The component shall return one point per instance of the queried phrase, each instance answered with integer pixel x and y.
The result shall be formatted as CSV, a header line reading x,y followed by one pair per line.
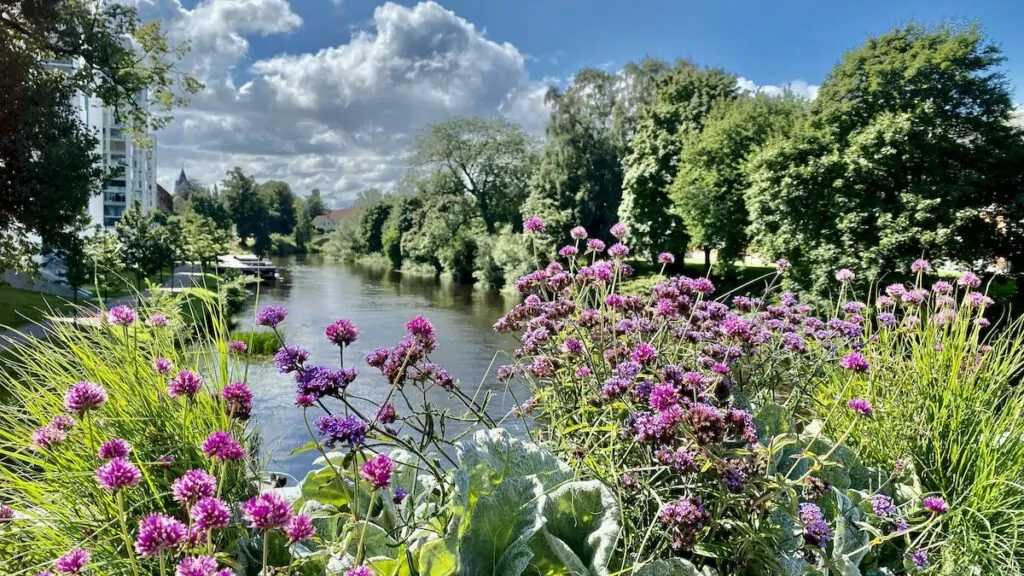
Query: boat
x,y
247,264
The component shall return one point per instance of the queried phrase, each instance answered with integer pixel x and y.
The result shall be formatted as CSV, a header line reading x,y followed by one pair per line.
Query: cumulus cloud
x,y
797,87
339,119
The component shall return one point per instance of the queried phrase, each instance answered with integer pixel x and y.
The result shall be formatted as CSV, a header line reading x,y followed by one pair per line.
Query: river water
x,y
317,292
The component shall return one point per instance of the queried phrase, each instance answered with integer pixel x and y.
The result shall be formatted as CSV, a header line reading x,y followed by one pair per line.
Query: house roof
x,y
336,215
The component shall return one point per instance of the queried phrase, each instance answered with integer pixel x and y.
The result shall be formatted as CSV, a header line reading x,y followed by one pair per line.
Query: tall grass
x,y
953,408
58,502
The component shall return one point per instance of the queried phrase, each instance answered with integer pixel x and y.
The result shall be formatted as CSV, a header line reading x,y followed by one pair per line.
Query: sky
x,y
328,94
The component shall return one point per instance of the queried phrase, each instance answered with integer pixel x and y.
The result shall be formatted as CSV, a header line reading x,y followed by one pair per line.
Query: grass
x,y
259,342
19,307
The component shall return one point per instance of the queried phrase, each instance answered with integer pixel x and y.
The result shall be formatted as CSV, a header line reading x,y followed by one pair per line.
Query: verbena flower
x,y
157,321
920,559
162,365
400,495
193,486
196,566
935,504
237,400
666,258
341,332
644,353
165,461
920,265
883,506
159,534
578,233
942,287
238,346
533,224
341,429
122,315
187,383
377,471
210,514
271,316
619,230
421,328
684,518
223,446
816,530
84,396
290,358
267,511
73,562
48,436
63,422
300,528
386,413
845,275
118,474
663,396
855,362
361,571
861,406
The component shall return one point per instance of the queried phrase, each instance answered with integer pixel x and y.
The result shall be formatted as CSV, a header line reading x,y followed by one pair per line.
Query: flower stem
x,y
362,533
124,532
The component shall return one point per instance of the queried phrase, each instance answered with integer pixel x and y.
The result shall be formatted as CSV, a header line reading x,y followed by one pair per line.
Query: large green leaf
x,y
674,567
584,517
850,543
438,558
772,420
495,538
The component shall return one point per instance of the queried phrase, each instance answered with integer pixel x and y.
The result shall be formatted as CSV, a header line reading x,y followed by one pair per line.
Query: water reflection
x,y
317,292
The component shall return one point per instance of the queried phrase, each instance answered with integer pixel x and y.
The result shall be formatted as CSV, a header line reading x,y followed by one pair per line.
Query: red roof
x,y
336,215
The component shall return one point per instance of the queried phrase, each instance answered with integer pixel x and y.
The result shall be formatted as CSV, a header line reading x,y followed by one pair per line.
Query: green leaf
x,y
674,567
323,486
553,557
311,445
376,542
495,538
772,420
584,516
438,558
850,543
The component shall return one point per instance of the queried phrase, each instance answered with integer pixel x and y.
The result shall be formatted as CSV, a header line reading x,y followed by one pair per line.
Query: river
x,y
317,292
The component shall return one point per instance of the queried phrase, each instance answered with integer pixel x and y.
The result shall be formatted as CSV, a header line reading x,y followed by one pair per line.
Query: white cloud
x,y
797,87
339,119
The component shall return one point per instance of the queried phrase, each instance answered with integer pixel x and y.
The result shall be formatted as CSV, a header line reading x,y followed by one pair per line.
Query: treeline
x,y
907,152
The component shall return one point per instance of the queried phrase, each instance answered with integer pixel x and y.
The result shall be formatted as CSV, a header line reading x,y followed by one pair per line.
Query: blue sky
x,y
328,94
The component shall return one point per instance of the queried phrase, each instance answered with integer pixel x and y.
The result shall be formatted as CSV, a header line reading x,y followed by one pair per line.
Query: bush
x,y
392,245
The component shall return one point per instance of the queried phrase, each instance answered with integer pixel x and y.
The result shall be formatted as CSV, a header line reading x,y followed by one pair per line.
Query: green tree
x,y
684,97
909,146
280,200
202,201
708,189
490,157
105,256
371,226
137,234
303,224
202,240
314,204
249,212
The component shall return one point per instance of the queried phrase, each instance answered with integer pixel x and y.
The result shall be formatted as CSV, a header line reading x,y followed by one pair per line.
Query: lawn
x,y
20,307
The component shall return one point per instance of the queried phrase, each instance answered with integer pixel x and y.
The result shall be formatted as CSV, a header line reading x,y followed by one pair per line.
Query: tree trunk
x,y
707,259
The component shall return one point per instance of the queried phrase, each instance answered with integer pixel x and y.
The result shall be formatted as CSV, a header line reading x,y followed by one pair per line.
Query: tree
x,y
683,99
202,201
314,205
71,251
137,234
371,226
708,189
303,224
909,147
182,196
489,156
280,200
104,254
202,240
248,211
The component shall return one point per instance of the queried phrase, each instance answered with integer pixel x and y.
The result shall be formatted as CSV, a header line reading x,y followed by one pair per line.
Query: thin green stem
x,y
124,532
362,533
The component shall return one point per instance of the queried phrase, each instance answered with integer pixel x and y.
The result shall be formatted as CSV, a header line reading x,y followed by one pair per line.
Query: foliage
x,y
248,210
280,200
303,224
684,98
909,145
371,226
205,203
257,342
104,253
148,245
202,239
709,186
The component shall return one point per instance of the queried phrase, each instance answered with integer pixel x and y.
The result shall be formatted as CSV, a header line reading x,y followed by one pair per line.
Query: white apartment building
x,y
137,180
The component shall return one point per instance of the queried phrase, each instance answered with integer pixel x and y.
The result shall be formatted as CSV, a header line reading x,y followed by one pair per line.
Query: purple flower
x,y
595,245
618,250
73,562
238,346
63,422
187,383
935,504
84,396
268,511
421,328
533,224
887,318
210,514
337,429
920,265
300,528
568,251
663,396
6,513
271,316
377,357
781,265
666,258
882,506
341,332
377,471
969,280
290,358
162,365
157,321
861,406
361,571
48,437
165,461
816,531
400,494
196,566
702,286
684,518
122,316
159,534
578,233
619,230
117,474
942,287
845,275
644,353
193,486
237,400
855,362
222,446
386,413
305,400
920,559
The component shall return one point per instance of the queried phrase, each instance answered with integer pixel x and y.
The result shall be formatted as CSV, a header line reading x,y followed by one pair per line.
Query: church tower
x,y
181,187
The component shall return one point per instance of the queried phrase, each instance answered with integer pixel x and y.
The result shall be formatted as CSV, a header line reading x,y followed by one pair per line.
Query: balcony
x,y
114,198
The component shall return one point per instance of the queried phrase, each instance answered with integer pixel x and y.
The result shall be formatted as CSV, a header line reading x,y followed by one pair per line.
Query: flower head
x,y
196,566
969,280
63,422
400,495
210,514
73,562
578,233
193,486
84,396
237,400
861,406
347,429
222,446
117,474
341,332
595,245
618,250
533,224
48,436
361,571
920,559
6,513
377,470
568,251
920,265
619,230
290,358
157,321
267,511
238,346
935,504
816,530
855,362
386,413
162,365
122,316
666,258
159,534
421,328
882,506
781,265
271,316
187,383
845,275
644,353
300,528
165,461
